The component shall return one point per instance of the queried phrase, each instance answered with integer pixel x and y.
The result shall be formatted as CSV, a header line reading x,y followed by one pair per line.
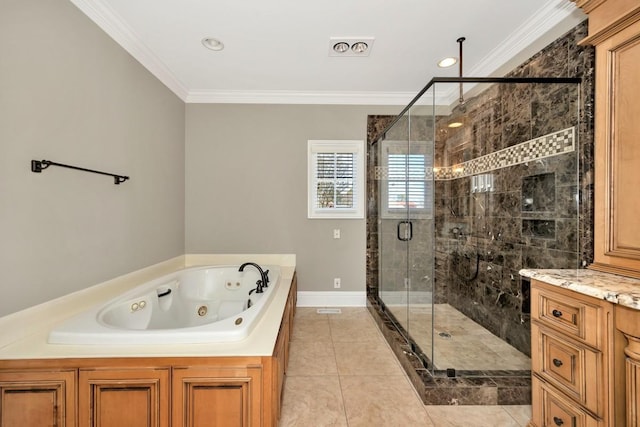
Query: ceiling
x,y
278,51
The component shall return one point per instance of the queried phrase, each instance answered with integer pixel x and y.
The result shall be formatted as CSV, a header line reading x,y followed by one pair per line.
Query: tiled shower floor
x,y
342,372
460,343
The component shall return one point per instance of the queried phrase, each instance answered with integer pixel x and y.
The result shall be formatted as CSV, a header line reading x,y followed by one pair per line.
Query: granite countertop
x,y
610,287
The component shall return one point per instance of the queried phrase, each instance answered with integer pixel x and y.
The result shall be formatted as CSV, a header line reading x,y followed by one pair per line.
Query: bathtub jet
x,y
195,305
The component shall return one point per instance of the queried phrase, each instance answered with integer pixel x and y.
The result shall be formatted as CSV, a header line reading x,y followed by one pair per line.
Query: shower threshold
x,y
454,382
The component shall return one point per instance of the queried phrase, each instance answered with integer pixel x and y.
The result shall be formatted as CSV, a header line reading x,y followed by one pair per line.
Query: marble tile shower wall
x,y
499,232
531,218
484,239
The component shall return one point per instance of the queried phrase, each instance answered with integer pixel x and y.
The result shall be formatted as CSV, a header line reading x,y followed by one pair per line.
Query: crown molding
x,y
549,18
552,17
121,33
304,97
588,5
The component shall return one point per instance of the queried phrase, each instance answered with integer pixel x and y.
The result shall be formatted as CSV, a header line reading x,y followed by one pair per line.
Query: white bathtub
x,y
209,304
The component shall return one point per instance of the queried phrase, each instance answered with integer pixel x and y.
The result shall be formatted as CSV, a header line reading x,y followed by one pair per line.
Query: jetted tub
x,y
195,305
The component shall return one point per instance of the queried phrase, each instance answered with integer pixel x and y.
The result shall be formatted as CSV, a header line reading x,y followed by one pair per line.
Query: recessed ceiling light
x,y
213,44
350,46
341,47
447,62
359,47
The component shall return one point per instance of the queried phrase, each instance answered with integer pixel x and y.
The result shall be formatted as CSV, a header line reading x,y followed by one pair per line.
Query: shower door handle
x,y
405,231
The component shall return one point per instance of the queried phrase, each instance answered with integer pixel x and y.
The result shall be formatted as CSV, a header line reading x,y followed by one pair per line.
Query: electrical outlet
x,y
336,233
336,283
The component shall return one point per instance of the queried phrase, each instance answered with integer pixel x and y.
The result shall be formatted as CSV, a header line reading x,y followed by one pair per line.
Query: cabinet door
x,y
217,397
37,399
617,153
551,409
124,397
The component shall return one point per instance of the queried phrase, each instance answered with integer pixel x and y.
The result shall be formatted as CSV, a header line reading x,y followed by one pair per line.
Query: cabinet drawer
x,y
575,315
572,367
552,409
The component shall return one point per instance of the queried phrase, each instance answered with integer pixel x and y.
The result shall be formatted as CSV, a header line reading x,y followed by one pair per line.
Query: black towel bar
x,y
39,165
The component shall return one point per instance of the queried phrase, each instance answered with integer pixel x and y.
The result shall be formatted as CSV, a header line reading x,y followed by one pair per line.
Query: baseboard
x,y
332,299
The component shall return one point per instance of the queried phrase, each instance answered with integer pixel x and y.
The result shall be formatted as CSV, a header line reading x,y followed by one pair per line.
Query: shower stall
x,y
474,180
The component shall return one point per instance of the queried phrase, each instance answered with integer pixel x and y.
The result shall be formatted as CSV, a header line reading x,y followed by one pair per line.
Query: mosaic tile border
x,y
553,144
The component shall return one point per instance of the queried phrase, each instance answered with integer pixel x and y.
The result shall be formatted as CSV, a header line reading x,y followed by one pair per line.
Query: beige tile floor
x,y
343,373
469,345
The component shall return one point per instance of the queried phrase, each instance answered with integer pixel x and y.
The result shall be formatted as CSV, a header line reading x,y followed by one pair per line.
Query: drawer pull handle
x,y
558,421
557,362
556,313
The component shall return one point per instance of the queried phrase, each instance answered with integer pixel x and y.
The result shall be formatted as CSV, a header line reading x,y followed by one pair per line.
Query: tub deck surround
x,y
616,289
19,325
24,334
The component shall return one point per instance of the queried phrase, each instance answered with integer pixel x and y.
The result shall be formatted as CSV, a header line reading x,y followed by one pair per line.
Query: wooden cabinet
x,y
614,30
628,325
123,397
221,396
572,358
281,352
149,391
38,398
552,408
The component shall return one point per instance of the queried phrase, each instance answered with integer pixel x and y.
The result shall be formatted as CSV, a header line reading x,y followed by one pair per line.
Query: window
x,y
407,185
336,179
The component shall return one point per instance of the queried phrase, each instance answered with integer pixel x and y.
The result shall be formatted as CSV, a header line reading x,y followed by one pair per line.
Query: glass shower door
x,y
394,227
406,227
420,250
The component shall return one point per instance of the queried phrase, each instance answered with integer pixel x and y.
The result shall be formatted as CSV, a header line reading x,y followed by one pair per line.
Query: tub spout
x,y
264,279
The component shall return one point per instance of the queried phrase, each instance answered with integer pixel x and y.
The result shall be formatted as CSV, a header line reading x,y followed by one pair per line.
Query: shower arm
x,y
460,41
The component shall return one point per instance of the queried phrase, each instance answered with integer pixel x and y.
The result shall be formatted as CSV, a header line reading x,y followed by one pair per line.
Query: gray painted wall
x,y
68,93
246,187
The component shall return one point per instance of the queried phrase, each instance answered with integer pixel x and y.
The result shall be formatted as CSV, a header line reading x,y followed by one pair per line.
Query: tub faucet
x,y
264,279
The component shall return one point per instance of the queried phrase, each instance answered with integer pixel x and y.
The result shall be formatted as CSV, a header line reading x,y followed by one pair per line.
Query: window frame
x,y
355,147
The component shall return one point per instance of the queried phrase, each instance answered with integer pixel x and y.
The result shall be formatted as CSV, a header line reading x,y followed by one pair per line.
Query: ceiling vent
x,y
350,46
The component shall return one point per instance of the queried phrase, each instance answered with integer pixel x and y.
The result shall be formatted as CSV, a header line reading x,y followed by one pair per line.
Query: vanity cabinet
x,y
36,398
123,397
628,325
614,30
572,356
